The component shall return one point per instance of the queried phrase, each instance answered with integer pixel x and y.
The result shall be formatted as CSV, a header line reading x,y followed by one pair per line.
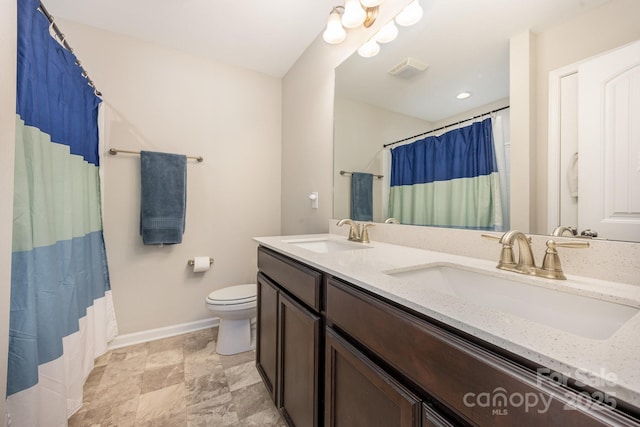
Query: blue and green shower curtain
x,y
449,180
61,308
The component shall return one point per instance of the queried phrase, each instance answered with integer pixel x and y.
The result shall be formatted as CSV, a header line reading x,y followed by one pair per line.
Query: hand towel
x,y
361,196
163,197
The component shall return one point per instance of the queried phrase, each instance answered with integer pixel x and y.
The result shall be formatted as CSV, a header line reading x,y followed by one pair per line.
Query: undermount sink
x,y
324,245
580,315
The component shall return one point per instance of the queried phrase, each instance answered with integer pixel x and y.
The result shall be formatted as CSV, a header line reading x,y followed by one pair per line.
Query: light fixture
x,y
371,3
354,15
334,33
463,95
369,49
410,14
387,33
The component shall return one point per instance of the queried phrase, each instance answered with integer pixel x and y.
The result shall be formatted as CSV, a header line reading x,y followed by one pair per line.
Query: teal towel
x,y
163,198
361,196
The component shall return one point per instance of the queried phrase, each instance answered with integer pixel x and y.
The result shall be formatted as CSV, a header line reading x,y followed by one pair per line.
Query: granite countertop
x,y
609,365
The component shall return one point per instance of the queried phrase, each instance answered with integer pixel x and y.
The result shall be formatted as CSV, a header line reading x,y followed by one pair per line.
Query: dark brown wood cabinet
x,y
289,331
360,394
267,333
331,353
298,390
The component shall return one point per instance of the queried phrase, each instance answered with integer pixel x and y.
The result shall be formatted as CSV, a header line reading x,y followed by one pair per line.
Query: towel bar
x,y
114,151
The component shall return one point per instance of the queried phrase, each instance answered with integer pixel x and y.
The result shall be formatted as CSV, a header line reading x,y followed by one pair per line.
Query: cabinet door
x,y
267,333
298,385
431,418
358,393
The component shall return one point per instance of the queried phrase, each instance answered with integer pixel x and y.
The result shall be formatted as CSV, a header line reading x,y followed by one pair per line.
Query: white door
x,y
609,144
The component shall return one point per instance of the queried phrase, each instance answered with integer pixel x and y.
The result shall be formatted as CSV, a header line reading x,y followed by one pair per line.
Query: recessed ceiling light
x,y
463,95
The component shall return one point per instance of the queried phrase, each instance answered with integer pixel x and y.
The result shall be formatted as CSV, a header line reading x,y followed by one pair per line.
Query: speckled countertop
x,y
611,365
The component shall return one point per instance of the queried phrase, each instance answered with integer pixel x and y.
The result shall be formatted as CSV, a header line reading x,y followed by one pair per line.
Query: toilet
x,y
236,308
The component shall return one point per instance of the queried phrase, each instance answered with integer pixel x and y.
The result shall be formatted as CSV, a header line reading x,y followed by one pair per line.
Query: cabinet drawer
x,y
299,280
479,386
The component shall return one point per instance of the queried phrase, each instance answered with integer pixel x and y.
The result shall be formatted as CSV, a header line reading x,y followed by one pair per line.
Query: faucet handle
x,y
364,233
551,267
507,259
354,231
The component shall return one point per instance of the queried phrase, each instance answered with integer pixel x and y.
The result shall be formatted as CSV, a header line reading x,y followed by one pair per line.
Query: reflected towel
x,y
163,197
361,196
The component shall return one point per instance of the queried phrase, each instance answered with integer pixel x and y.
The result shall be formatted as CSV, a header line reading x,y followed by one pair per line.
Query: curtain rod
x,y
114,151
444,127
66,45
351,173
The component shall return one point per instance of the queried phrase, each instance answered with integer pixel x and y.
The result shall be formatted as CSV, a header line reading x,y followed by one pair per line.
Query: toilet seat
x,y
233,295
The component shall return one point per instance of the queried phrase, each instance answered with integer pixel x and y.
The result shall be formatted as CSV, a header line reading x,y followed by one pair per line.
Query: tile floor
x,y
174,382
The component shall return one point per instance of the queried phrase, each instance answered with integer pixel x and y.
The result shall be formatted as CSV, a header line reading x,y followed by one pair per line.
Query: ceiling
x,y
264,36
461,38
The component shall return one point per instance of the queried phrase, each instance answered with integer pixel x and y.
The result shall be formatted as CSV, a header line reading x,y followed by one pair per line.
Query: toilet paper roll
x,y
200,264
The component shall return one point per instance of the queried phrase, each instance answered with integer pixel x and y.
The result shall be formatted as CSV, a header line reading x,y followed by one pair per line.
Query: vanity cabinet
x,y
470,384
359,393
289,336
333,354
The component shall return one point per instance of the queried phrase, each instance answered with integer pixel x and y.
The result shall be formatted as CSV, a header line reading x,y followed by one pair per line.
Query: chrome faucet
x,y
357,232
526,263
551,268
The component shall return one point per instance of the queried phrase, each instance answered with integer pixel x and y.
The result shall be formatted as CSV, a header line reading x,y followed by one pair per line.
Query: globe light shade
x,y
354,15
410,14
334,33
387,33
371,3
369,49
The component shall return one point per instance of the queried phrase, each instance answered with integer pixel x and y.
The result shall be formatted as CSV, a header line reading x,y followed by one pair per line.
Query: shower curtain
x,y
449,180
61,314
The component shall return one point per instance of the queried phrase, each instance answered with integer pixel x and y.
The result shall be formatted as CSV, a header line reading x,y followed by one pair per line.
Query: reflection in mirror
x,y
373,108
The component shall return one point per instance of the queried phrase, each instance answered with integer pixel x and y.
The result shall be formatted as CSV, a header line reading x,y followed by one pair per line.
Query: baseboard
x,y
159,333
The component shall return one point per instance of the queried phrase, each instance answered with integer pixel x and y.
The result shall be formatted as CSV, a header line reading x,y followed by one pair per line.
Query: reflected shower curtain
x,y
449,180
61,307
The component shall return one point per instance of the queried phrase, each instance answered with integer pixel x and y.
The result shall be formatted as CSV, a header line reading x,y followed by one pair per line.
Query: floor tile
x,y
176,382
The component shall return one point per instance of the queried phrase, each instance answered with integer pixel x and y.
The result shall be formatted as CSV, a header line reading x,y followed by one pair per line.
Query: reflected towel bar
x,y
114,151
349,173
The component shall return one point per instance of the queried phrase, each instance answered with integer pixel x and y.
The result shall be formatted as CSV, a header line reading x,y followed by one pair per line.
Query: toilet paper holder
x,y
192,262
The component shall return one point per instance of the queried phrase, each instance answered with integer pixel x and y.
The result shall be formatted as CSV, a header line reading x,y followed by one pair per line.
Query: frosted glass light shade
x,y
371,3
354,15
387,33
410,14
334,33
369,49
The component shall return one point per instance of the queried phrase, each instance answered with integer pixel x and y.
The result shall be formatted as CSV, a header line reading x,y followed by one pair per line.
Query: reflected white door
x,y
609,144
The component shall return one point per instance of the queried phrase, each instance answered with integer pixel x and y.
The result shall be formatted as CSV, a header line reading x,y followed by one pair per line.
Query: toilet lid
x,y
237,294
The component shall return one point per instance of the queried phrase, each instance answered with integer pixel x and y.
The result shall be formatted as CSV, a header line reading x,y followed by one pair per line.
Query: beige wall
x,y
596,31
307,128
8,30
163,100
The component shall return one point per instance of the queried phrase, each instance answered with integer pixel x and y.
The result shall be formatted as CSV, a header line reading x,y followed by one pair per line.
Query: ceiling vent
x,y
408,68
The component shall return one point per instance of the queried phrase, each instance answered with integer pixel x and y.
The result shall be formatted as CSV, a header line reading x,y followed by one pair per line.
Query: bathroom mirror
x,y
465,47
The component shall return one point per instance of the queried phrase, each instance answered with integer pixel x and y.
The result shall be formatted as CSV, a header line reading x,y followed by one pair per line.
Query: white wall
x,y
360,132
604,28
163,100
307,127
8,29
